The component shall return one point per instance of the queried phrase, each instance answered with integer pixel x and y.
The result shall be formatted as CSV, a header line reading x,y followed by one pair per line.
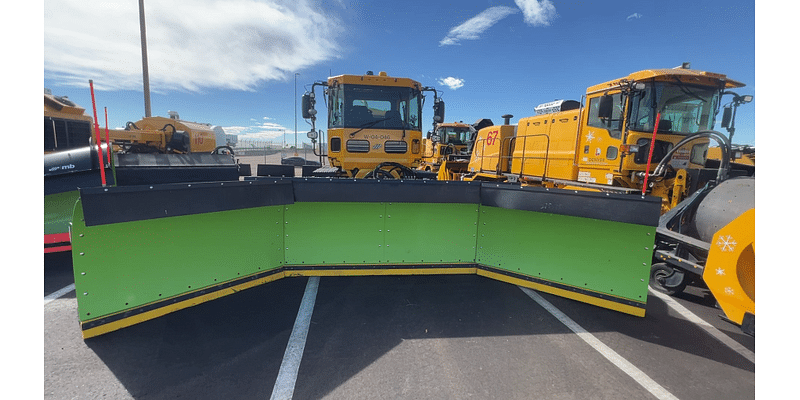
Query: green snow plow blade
x,y
140,252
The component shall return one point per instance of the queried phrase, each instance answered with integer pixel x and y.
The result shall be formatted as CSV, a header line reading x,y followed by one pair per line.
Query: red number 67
x,y
492,137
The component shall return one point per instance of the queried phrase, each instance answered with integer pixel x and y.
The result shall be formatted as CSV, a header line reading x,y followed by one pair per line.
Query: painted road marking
x,y
640,377
714,332
287,375
52,296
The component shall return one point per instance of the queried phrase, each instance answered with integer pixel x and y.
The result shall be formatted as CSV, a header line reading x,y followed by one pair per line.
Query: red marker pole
x,y
650,156
97,137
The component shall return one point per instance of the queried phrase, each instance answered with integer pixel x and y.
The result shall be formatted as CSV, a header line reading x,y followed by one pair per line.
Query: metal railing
x,y
508,159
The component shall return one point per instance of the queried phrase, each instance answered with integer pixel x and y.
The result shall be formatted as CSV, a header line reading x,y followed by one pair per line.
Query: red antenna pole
x,y
650,156
97,137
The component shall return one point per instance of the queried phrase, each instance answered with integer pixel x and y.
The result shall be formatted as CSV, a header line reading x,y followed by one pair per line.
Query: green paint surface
x,y
334,233
601,256
430,233
58,209
126,265
380,233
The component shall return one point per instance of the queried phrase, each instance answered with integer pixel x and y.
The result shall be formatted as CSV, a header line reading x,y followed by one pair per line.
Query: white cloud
x,y
234,130
258,131
537,13
475,26
260,135
191,45
634,16
452,83
271,126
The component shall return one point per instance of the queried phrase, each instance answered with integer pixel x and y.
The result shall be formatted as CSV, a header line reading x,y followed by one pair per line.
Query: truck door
x,y
599,142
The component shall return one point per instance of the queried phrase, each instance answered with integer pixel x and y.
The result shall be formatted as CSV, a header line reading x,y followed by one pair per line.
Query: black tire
x,y
223,150
667,279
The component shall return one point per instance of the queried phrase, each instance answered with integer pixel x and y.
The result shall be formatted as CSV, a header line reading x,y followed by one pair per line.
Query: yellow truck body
x,y
603,142
373,119
450,138
155,134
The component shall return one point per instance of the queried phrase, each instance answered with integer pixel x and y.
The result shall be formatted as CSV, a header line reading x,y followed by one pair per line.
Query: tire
x,y
667,279
223,150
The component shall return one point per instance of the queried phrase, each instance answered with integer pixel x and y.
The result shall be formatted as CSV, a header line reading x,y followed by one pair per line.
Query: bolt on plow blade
x,y
140,252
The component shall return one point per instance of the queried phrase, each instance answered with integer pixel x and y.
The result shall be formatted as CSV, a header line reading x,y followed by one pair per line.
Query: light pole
x,y
295,112
145,72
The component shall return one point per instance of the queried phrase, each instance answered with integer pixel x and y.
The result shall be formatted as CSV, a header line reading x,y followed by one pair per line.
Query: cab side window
x,y
335,114
614,124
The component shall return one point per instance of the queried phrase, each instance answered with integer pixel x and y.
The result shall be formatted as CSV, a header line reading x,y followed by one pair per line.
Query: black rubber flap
x,y
275,170
148,169
132,176
134,203
388,190
634,209
174,160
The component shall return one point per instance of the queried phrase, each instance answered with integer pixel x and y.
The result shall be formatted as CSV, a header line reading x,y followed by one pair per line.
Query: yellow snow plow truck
x,y
650,129
446,149
374,125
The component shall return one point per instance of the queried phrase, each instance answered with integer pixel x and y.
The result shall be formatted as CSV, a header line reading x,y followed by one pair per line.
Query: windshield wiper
x,y
686,91
367,125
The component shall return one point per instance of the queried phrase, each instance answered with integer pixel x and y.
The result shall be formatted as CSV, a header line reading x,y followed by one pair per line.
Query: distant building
x,y
224,139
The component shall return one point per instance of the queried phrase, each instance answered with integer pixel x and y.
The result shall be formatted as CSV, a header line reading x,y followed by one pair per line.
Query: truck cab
x,y
374,124
448,140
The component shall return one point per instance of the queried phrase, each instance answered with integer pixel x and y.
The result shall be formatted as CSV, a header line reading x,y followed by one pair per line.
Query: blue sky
x,y
232,63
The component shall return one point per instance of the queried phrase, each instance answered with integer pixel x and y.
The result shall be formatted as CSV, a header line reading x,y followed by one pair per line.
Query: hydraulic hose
x,y
721,139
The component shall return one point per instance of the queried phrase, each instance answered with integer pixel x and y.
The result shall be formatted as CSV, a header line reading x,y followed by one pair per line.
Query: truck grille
x,y
358,146
395,146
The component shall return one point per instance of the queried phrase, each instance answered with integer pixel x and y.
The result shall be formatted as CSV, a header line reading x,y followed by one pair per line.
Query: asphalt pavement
x,y
398,337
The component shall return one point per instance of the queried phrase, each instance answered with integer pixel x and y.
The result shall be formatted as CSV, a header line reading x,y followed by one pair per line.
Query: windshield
x,y
378,107
684,109
453,135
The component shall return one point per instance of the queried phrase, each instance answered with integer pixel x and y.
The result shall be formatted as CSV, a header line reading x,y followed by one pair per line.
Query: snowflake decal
x,y
726,243
720,271
729,291
590,137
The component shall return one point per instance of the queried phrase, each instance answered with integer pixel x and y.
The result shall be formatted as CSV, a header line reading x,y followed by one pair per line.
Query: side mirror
x,y
606,107
435,138
308,106
726,117
312,135
438,111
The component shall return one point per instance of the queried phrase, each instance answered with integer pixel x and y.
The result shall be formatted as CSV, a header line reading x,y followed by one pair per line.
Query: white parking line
x,y
52,296
714,332
287,375
640,377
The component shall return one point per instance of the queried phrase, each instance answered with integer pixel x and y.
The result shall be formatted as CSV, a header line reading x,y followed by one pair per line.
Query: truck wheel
x,y
223,150
667,279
